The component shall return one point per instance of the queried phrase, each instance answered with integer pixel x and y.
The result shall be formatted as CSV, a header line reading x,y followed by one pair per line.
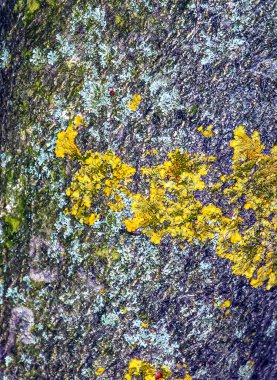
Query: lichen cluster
x,y
141,369
98,182
171,205
251,191
146,371
135,102
66,145
97,185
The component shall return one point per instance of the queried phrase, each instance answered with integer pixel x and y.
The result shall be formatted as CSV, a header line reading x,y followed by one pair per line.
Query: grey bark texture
x,y
73,298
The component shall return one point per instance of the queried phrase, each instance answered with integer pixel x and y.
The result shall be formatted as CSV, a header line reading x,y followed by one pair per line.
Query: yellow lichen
x,y
144,370
99,181
144,325
100,371
170,207
207,132
78,120
187,377
252,247
169,204
135,102
223,305
65,145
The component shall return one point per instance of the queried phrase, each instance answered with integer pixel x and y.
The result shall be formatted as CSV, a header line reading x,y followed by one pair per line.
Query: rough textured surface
x,y
67,307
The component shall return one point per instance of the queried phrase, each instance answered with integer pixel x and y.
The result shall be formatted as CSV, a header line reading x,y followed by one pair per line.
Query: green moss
x,y
18,6
33,5
12,224
119,21
107,253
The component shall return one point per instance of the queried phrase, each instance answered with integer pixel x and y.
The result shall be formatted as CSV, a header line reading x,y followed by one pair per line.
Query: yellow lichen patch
x,y
134,103
235,237
223,305
187,377
65,145
99,181
144,370
206,132
170,207
245,148
144,325
139,368
252,247
78,120
100,371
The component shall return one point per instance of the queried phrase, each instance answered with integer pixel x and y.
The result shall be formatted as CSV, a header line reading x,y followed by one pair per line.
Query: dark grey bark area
x,y
194,63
